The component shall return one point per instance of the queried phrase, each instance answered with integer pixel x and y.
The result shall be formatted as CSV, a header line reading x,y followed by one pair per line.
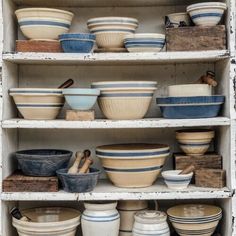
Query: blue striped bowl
x,y
175,181
190,107
206,14
43,23
133,165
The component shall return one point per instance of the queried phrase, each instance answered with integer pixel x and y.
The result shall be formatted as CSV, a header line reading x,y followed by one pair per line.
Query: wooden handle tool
x,y
66,84
187,170
74,168
85,167
209,78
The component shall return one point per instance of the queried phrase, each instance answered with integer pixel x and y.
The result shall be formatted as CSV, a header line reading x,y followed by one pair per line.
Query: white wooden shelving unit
x,y
49,70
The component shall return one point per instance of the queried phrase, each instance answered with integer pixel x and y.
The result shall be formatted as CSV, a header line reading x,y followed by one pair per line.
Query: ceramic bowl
x,y
48,221
195,219
81,99
177,19
38,103
190,107
206,14
189,90
195,142
77,43
43,23
125,100
78,183
175,181
42,162
133,165
144,42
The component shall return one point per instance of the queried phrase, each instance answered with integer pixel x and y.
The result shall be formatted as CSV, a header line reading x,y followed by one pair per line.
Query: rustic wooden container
x,y
17,182
196,38
210,178
75,115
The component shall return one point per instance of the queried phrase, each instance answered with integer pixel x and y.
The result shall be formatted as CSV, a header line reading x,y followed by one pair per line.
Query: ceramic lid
x,y
193,211
150,217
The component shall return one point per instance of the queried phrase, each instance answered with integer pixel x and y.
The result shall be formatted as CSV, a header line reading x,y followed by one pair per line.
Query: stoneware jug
x,y
150,223
127,210
100,219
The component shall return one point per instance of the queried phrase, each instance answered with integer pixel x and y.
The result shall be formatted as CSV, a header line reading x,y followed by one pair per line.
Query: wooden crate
x,y
210,178
196,38
17,182
73,115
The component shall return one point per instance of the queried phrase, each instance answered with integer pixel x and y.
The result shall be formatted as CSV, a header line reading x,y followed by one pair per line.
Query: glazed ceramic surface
x,y
133,165
81,99
127,210
195,219
206,14
176,19
78,183
144,42
38,103
190,107
189,90
53,221
151,223
77,43
195,142
42,162
100,218
43,23
175,181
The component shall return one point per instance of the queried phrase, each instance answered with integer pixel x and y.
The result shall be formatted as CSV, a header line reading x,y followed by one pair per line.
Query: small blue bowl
x,y
190,107
81,99
77,43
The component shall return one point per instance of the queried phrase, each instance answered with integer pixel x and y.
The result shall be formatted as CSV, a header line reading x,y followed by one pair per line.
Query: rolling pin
x,y
187,170
209,78
85,167
66,84
74,168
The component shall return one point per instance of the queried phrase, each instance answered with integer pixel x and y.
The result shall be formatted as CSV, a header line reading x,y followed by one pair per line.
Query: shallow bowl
x,y
176,19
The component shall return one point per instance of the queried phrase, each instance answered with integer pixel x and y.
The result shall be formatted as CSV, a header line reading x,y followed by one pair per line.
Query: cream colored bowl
x,y
189,90
43,23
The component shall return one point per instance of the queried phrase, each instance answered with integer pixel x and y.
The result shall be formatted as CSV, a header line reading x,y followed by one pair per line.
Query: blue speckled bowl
x,y
190,107
77,43
78,183
42,162
81,99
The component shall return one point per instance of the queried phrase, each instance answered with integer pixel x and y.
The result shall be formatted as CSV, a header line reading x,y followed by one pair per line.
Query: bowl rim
x,y
124,82
114,18
173,173
206,5
21,152
61,172
81,91
145,35
178,14
46,9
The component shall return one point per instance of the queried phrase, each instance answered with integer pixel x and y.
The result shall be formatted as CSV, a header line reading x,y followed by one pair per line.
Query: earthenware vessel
x,y
151,223
176,20
48,221
100,218
43,23
133,165
195,142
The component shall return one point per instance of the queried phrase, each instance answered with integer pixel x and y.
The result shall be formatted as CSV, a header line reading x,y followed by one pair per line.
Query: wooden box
x,y
74,115
196,38
211,178
17,182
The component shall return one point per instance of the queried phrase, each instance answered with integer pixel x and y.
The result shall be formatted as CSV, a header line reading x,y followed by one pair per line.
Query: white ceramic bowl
x,y
50,221
175,181
38,103
206,14
176,18
43,23
189,90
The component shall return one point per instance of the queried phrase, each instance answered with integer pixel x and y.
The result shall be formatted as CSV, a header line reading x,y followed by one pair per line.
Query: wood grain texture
x,y
17,182
75,115
196,38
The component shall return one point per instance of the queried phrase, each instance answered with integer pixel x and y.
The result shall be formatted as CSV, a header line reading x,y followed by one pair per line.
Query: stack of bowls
x,y
38,103
144,42
77,43
207,13
195,142
111,31
43,23
195,219
125,100
133,165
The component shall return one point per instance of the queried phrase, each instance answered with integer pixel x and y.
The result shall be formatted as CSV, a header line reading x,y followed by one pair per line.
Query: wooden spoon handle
x,y
74,168
66,84
187,170
86,165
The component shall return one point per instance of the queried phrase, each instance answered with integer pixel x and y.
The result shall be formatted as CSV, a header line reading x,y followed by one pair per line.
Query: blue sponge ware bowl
x,y
190,107
77,43
42,162
78,183
81,99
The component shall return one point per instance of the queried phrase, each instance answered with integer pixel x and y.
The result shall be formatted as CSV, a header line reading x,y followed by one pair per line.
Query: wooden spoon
x,y
66,84
187,170
74,168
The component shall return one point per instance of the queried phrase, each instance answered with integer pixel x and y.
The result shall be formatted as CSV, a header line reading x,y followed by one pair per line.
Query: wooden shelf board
x,y
111,124
115,58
